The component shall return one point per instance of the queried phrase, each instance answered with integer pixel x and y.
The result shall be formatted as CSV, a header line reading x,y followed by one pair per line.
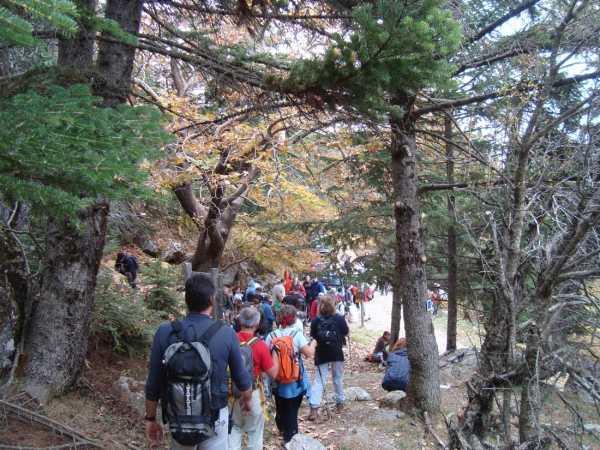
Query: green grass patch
x,y
364,336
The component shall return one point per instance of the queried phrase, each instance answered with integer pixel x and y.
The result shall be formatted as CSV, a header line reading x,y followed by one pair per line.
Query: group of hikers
x,y
213,379
305,297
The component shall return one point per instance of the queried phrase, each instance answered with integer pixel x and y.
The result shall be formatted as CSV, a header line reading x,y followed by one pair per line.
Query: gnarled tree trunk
x,y
15,298
57,340
423,390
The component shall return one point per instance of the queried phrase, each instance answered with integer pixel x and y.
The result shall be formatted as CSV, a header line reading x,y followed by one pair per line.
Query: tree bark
x,y
57,340
178,81
15,298
423,391
78,51
396,314
452,266
115,61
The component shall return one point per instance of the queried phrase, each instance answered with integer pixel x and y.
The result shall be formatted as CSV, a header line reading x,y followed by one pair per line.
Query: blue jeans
x,y
321,378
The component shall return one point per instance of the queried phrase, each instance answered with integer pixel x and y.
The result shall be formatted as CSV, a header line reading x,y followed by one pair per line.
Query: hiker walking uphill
x,y
292,383
190,377
128,266
261,361
327,329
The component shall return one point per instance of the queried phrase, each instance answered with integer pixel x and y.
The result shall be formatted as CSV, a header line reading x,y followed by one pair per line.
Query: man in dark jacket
x,y
316,287
224,350
328,353
127,266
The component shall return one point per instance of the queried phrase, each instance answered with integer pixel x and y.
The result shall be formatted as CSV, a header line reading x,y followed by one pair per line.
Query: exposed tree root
x,y
79,439
432,431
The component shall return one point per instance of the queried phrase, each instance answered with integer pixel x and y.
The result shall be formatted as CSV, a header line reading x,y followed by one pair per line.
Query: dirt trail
x,y
381,313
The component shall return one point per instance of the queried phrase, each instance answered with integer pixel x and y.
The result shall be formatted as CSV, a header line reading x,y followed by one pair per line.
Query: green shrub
x,y
163,295
121,318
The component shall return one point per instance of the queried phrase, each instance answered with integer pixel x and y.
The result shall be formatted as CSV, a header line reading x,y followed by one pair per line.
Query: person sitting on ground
x,y
379,352
398,368
127,265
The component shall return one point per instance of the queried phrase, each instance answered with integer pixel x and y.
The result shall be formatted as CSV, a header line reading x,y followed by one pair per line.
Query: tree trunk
x,y
115,61
78,51
452,268
213,224
15,298
178,81
57,340
396,314
423,390
494,359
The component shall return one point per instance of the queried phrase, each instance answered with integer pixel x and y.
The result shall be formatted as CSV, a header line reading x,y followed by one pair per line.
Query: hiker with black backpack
x,y
258,359
188,373
291,383
127,265
327,329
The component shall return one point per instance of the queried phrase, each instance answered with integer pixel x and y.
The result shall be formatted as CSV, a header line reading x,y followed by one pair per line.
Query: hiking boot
x,y
339,407
314,414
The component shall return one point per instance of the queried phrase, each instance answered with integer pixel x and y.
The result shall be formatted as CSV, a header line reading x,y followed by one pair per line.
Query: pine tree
x,y
60,152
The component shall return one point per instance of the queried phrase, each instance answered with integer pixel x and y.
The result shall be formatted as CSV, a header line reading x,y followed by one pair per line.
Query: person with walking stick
x,y
327,329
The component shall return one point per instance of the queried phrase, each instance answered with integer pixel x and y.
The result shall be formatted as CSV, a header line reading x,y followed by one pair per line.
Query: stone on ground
x,y
391,400
303,442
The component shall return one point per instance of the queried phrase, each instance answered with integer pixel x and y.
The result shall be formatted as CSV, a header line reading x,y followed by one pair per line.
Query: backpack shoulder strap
x,y
208,334
250,342
177,329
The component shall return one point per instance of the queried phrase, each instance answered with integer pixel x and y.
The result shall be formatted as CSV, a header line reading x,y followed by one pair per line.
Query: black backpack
x,y
190,403
328,334
246,351
134,260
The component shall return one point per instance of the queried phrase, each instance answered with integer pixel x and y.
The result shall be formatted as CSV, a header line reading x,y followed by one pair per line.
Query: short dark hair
x,y
120,256
296,288
198,291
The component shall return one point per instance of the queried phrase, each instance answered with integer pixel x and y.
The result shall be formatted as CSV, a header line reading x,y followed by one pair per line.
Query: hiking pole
x,y
350,355
329,414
